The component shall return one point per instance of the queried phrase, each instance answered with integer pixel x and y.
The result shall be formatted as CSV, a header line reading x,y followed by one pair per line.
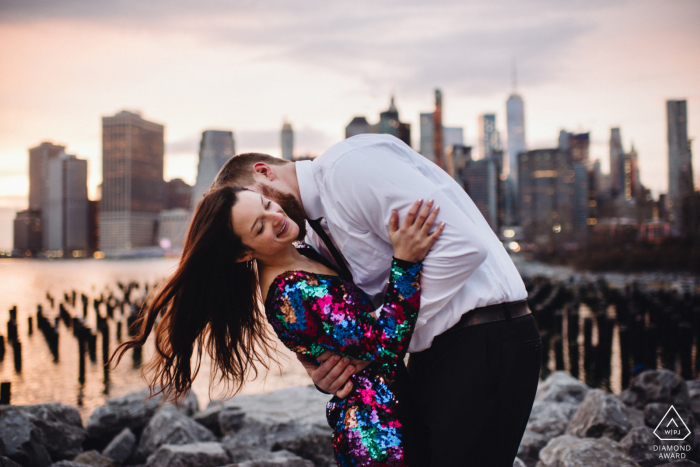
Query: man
x,y
475,351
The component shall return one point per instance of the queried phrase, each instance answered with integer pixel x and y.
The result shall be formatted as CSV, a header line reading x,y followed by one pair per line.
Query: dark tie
x,y
344,271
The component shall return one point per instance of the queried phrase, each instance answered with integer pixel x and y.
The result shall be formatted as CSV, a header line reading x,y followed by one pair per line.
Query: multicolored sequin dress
x,y
312,313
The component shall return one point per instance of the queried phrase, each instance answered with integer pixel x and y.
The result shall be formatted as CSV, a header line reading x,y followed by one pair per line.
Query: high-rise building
x,y
427,144
547,196
575,147
64,214
515,116
481,181
488,135
215,149
287,140
680,168
38,160
27,233
632,185
178,194
132,184
389,124
617,174
358,126
438,139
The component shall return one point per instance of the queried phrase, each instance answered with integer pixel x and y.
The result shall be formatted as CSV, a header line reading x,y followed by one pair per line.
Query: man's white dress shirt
x,y
357,183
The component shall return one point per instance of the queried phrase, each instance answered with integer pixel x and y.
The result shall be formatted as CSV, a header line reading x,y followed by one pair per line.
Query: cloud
x,y
411,44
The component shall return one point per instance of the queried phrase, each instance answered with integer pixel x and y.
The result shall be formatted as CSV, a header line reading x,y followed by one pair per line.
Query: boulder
x,y
655,412
132,411
571,451
169,426
683,463
694,393
275,459
61,427
94,459
5,462
635,416
600,414
551,418
292,419
230,420
518,463
656,386
23,442
209,418
639,444
121,447
530,447
561,387
69,464
199,454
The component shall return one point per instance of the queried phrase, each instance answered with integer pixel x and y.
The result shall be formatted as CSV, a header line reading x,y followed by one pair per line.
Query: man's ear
x,y
246,257
265,170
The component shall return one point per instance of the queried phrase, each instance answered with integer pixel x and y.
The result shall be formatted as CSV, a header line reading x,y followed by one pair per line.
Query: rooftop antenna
x,y
515,76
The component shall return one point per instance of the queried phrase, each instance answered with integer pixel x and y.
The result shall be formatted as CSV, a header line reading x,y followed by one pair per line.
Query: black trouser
x,y
473,390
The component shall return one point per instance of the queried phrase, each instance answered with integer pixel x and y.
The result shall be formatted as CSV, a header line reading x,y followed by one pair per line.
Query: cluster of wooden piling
x,y
654,327
109,311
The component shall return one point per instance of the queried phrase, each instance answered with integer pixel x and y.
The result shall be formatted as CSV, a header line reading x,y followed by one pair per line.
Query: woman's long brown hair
x,y
211,302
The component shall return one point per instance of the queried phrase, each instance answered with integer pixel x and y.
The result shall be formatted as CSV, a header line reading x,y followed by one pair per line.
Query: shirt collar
x,y
310,196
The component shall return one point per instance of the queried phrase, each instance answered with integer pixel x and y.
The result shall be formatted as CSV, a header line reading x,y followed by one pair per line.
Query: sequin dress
x,y
312,313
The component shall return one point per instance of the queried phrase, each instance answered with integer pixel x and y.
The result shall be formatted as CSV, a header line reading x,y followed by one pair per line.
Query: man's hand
x,y
333,373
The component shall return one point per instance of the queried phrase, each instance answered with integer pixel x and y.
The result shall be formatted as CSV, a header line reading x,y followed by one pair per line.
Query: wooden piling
x,y
5,392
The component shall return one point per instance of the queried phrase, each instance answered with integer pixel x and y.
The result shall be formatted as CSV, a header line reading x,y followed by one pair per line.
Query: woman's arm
x,y
312,314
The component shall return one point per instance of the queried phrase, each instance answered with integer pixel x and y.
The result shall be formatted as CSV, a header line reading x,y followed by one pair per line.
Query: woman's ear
x,y
248,256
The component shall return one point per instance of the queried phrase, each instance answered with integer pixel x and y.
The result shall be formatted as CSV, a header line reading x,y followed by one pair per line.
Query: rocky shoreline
x,y
571,425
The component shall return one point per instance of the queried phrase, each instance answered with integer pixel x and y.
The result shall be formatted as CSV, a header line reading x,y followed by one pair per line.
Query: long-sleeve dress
x,y
312,313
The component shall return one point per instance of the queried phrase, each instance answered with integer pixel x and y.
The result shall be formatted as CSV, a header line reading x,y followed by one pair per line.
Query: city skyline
x,y
584,67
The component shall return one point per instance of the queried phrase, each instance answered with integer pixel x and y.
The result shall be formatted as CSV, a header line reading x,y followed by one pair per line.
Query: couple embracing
x,y
397,259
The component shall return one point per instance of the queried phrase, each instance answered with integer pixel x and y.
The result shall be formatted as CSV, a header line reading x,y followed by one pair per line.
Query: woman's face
x,y
262,224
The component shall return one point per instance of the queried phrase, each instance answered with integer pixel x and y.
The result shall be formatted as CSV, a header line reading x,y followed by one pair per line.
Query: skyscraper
x,y
680,168
515,116
427,144
358,126
488,135
287,140
388,124
65,207
481,181
438,139
132,184
38,160
617,174
215,149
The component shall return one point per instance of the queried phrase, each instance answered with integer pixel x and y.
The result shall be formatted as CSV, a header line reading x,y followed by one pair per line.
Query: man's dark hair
x,y
239,169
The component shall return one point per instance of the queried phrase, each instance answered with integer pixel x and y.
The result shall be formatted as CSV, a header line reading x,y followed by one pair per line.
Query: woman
x,y
240,249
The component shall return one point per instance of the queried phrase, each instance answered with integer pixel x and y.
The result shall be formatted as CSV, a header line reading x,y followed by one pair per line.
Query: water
x,y
25,283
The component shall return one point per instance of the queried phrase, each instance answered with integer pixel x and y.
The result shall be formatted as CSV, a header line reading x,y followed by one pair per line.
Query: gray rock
x,y
5,462
682,463
209,417
656,386
199,454
121,447
600,414
635,416
95,459
551,418
561,387
655,412
571,451
275,459
518,463
293,419
230,420
23,441
530,447
132,411
640,442
68,464
169,426
694,393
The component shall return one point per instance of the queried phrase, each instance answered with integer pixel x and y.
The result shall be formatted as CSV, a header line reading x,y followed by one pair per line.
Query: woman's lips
x,y
284,228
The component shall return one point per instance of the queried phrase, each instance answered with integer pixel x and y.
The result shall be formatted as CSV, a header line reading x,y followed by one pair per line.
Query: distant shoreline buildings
x,y
538,199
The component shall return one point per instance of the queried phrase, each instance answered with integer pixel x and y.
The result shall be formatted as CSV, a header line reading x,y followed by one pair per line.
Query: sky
x,y
246,66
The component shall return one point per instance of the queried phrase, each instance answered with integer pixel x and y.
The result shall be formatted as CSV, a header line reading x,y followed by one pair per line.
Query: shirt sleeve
x,y
389,180
311,314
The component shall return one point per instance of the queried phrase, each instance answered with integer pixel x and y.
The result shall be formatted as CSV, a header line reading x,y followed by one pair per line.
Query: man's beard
x,y
291,207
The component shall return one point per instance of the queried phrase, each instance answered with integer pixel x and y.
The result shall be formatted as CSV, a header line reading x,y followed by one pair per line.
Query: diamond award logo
x,y
672,427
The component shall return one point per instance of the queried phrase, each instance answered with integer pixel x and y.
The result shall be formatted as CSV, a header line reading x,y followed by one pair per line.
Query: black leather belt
x,y
492,313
